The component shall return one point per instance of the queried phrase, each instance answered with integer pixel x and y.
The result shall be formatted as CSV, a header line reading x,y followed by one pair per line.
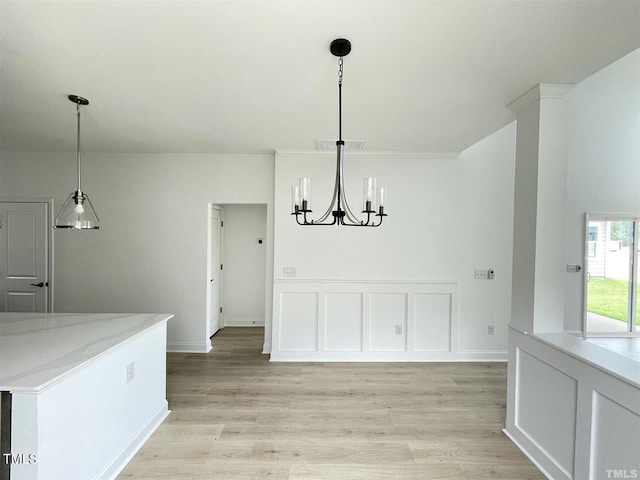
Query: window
x,y
612,275
592,241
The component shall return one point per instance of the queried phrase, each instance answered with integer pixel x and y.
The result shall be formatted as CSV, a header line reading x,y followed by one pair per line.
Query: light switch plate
x,y
290,272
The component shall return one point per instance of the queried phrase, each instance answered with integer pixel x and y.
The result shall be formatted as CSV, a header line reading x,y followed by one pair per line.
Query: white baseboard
x,y
189,347
243,321
115,466
527,454
378,356
266,348
482,355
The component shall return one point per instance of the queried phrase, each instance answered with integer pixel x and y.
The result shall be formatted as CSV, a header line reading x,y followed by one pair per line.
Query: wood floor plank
x,y
462,453
237,416
335,453
375,472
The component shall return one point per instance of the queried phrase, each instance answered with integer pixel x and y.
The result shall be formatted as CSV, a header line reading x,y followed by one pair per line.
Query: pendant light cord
x,y
340,62
78,147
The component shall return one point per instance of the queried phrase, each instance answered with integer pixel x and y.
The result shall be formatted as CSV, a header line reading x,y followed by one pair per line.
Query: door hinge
x,y
220,309
220,266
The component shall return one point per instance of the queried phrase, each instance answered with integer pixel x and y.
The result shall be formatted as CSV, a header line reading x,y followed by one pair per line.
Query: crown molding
x,y
377,154
556,91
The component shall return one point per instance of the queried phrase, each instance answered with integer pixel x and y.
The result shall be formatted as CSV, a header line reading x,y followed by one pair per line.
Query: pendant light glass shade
x,y
77,211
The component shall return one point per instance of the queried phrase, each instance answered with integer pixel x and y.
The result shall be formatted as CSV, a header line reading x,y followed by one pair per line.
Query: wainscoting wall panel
x,y
388,322
615,438
298,314
547,416
432,322
329,320
343,322
573,407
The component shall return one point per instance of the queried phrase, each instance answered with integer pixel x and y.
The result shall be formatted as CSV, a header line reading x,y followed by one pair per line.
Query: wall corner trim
x,y
556,91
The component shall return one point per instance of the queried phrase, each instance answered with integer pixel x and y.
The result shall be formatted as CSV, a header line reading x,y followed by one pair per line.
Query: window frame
x,y
633,330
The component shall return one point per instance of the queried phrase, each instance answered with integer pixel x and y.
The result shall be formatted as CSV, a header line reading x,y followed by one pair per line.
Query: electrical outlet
x,y
481,274
398,329
484,274
491,329
290,272
130,372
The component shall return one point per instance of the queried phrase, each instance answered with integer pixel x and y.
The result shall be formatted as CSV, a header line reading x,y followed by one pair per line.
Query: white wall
x,y
244,264
603,159
447,217
150,255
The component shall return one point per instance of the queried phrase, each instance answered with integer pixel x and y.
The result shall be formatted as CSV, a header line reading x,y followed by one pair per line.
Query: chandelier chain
x,y
340,62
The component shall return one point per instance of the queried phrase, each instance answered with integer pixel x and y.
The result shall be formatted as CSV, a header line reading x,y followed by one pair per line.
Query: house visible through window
x,y
592,241
612,275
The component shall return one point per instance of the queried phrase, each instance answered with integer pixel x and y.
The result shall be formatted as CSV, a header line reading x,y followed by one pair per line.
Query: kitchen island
x,y
80,392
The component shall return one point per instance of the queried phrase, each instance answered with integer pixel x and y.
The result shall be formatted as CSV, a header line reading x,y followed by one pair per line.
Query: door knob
x,y
41,284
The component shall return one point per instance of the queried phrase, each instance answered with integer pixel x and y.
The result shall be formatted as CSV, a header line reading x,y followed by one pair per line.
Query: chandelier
x,y
339,211
77,211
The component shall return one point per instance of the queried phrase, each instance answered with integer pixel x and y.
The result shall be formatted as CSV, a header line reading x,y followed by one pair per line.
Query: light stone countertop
x,y
38,350
621,363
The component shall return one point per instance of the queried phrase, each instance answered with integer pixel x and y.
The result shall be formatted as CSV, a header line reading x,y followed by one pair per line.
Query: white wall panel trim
x,y
369,320
606,406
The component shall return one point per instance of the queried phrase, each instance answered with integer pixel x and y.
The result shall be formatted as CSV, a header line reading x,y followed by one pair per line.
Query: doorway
x,y
237,252
25,256
215,270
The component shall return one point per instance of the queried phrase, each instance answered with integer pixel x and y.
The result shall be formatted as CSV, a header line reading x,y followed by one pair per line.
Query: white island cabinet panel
x,y
86,390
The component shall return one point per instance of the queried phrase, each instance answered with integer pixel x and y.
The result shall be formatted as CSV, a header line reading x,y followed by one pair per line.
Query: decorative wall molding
x,y
541,91
365,320
594,425
376,154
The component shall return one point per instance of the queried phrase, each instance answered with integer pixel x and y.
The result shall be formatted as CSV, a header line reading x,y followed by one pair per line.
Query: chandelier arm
x,y
334,199
306,222
347,209
362,224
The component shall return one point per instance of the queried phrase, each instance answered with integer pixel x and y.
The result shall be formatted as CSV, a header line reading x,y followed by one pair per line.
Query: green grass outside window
x,y
609,297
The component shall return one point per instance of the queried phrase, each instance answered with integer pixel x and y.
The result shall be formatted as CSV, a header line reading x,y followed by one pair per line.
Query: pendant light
x,y
77,212
373,198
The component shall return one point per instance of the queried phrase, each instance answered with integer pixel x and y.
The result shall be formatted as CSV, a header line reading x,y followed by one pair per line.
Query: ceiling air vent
x,y
353,145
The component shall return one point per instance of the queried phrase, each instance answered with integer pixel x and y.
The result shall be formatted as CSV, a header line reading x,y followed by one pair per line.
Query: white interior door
x,y
24,276
216,271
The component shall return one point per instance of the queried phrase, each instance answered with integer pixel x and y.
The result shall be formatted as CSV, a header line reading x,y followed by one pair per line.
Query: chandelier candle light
x,y
373,198
77,211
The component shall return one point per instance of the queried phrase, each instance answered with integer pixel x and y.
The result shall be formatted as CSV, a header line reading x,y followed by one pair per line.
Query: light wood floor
x,y
237,416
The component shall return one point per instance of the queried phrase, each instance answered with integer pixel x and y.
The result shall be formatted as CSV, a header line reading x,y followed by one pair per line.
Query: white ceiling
x,y
251,76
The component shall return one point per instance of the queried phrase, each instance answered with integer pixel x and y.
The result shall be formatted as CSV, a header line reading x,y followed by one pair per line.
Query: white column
x,y
540,209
